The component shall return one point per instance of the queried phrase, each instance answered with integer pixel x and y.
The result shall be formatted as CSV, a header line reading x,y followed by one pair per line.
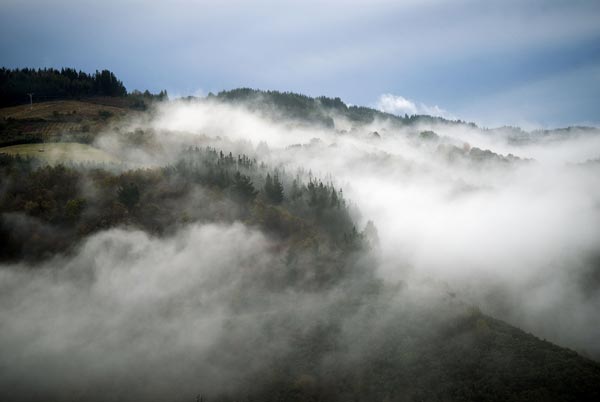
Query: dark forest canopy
x,y
67,83
50,84
161,200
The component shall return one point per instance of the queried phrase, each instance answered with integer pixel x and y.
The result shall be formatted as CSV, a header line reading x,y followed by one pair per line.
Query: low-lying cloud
x,y
504,235
168,318
400,106
131,316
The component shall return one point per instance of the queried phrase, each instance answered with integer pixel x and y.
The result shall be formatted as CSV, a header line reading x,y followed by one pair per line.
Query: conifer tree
x,y
274,189
243,188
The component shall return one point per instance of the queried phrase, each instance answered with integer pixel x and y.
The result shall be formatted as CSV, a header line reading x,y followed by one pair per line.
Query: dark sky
x,y
533,63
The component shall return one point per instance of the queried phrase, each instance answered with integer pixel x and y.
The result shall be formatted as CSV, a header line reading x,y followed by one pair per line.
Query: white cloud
x,y
400,105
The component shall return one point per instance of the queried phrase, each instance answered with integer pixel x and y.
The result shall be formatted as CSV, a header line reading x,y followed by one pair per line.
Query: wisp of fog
x,y
521,240
518,237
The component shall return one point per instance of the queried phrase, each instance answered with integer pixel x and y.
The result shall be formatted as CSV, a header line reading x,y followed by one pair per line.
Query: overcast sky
x,y
533,63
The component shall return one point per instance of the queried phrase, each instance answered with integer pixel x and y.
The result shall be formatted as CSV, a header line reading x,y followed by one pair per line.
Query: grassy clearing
x,y
58,121
61,152
56,109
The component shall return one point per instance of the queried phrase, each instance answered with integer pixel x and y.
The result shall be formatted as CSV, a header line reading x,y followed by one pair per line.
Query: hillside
x,y
289,106
319,110
424,353
137,255
56,121
51,84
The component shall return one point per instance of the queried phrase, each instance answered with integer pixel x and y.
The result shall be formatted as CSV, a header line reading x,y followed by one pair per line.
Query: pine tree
x,y
277,190
335,202
274,189
296,190
268,186
243,188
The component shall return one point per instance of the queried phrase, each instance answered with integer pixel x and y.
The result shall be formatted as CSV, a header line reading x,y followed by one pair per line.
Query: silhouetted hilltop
x,y
320,110
51,84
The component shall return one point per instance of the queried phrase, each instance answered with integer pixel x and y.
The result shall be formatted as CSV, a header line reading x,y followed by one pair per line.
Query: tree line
x,y
46,84
49,84
54,207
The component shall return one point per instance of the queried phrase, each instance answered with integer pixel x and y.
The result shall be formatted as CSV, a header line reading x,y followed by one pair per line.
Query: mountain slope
x,y
195,269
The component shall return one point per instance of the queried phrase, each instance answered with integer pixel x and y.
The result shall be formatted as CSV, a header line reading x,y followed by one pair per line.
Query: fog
x,y
131,316
519,239
194,312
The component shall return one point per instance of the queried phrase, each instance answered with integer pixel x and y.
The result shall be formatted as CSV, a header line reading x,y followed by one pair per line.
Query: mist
x,y
520,239
514,233
155,319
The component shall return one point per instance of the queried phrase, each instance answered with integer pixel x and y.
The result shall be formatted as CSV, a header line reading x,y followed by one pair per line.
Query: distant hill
x,y
517,135
317,110
67,83
322,110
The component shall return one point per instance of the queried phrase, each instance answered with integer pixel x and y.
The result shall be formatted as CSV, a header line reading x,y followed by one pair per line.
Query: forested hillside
x,y
320,110
323,110
52,84
243,246
49,84
202,186
425,353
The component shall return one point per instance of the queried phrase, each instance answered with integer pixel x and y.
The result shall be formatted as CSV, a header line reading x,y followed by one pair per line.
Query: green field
x,y
61,152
